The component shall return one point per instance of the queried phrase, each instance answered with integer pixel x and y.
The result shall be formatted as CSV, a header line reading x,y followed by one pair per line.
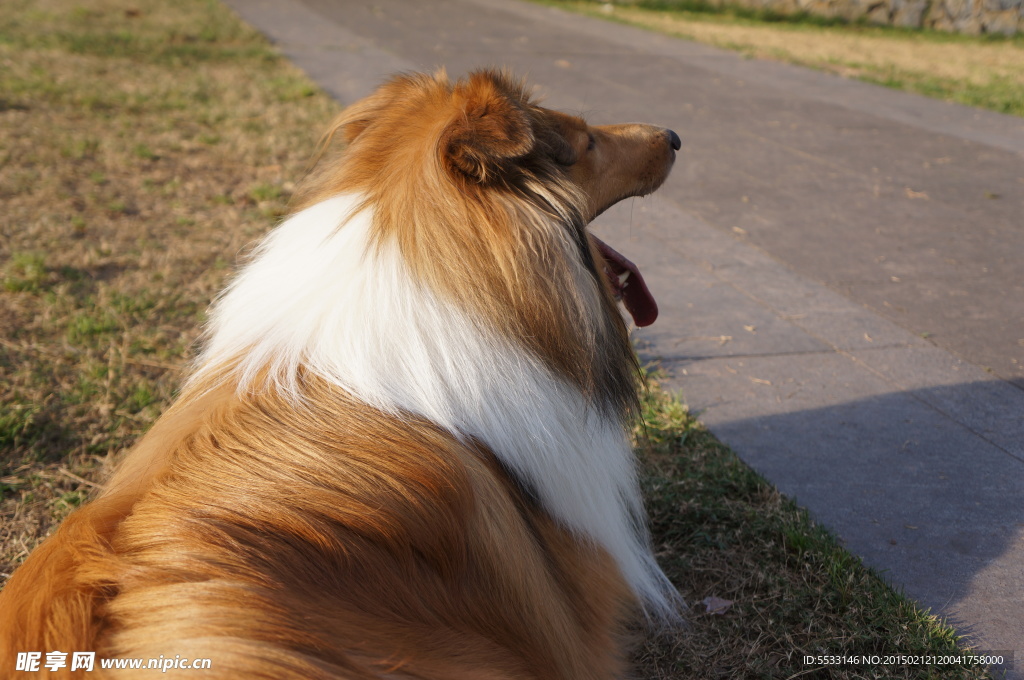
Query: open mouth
x,y
628,285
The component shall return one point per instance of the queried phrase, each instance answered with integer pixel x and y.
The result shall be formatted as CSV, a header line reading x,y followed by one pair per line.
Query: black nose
x,y
674,140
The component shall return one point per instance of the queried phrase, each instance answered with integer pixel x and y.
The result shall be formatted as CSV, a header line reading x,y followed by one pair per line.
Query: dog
x,y
402,452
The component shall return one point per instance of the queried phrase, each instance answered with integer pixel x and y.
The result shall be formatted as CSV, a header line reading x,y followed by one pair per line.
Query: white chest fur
x,y
317,296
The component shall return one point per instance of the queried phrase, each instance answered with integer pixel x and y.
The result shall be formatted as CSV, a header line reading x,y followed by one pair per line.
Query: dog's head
x,y
486,130
488,195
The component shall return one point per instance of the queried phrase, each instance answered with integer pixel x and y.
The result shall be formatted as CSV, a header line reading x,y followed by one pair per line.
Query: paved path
x,y
840,270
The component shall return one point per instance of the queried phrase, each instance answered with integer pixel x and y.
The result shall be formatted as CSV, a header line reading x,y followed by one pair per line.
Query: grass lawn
x,y
986,72
143,146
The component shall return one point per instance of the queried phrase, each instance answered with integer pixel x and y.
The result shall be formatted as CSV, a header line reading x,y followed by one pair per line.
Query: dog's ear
x,y
490,126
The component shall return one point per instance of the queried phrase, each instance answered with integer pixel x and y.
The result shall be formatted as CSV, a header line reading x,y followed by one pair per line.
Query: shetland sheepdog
x,y
402,452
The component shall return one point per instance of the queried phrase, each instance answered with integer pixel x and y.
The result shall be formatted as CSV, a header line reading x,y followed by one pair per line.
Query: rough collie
x,y
403,450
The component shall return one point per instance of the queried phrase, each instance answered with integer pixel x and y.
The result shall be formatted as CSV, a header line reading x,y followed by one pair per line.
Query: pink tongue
x,y
633,291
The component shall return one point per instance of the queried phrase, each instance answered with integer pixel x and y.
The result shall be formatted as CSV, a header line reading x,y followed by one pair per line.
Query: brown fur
x,y
331,540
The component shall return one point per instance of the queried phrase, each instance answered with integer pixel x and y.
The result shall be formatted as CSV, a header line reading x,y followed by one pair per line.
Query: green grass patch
x,y
25,272
1000,94
16,422
737,11
722,531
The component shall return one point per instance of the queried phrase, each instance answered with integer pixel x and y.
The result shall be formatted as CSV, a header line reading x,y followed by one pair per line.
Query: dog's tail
x,y
51,601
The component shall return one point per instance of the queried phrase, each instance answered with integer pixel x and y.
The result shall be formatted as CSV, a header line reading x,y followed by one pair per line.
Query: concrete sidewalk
x,y
842,297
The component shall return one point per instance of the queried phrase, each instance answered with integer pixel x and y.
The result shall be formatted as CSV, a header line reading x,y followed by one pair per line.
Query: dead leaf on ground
x,y
716,605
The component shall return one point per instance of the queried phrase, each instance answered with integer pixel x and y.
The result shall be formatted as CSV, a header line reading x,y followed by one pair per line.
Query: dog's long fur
x,y
403,452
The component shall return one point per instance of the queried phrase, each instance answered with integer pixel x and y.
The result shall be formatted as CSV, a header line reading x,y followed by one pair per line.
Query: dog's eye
x,y
591,142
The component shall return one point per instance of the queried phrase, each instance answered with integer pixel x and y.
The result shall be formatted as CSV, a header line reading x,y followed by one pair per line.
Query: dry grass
x,y
862,51
142,146
975,71
723,532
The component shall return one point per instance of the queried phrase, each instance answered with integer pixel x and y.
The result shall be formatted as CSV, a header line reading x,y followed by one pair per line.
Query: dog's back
x,y
382,545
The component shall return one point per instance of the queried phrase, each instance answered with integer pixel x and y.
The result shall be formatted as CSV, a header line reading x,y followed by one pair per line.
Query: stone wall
x,y
973,17
977,16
